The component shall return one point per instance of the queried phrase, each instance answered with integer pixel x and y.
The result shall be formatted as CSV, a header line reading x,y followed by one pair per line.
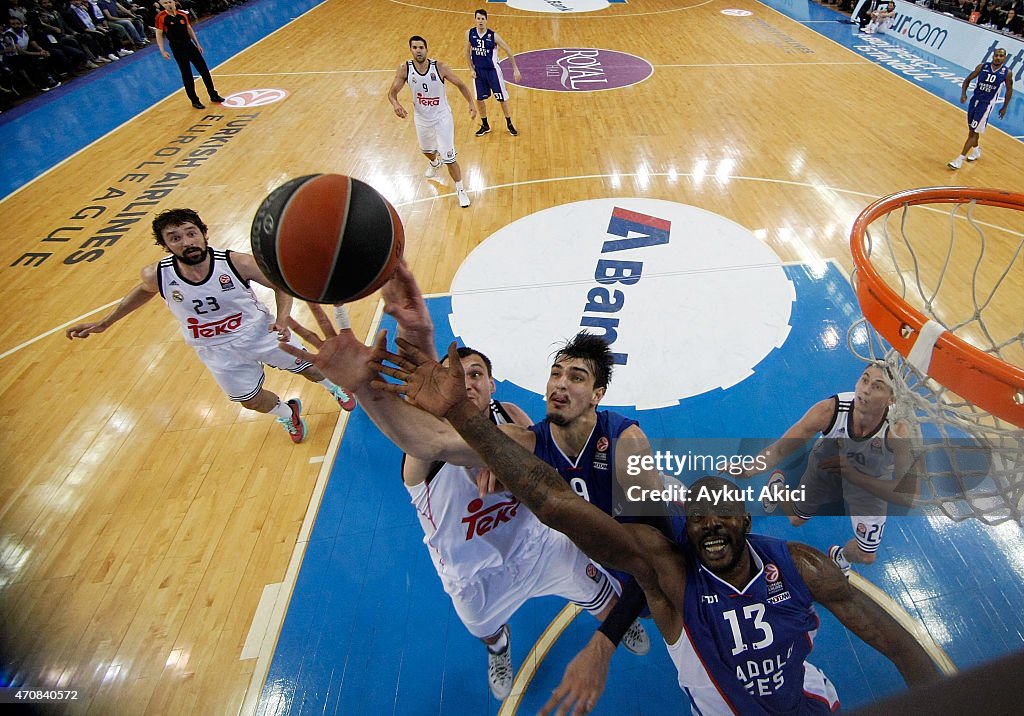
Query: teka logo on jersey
x,y
580,69
688,300
482,520
254,98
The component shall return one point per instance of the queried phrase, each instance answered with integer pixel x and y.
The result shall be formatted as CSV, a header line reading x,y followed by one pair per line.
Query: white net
x,y
972,283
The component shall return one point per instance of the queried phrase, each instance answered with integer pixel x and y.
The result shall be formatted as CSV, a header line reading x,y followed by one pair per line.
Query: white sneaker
x,y
835,553
974,155
124,53
499,668
112,57
956,163
775,482
463,198
635,640
432,170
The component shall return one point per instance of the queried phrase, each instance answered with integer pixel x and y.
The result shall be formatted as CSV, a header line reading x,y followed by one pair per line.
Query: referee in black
x,y
173,23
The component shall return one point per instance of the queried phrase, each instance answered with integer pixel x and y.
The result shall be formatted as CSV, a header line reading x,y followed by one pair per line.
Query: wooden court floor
x,y
141,513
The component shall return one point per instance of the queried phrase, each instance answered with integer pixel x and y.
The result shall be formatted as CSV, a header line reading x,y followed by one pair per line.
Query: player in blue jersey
x,y
734,609
482,55
991,78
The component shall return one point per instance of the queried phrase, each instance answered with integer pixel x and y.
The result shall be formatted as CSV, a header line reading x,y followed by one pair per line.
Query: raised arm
x,y
136,298
863,616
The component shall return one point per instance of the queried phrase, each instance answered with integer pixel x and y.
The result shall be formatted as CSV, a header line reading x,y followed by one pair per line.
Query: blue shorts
x,y
490,82
977,115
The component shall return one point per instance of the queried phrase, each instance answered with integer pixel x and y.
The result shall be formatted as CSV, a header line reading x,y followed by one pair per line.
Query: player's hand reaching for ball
x,y
425,382
340,356
403,301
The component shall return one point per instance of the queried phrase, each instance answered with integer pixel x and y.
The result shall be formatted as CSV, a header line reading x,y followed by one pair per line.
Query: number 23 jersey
x,y
218,308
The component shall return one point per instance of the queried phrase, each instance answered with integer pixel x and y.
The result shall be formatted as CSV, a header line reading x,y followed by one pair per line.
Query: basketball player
x,y
490,553
173,24
208,291
857,439
600,443
991,77
432,115
745,600
482,55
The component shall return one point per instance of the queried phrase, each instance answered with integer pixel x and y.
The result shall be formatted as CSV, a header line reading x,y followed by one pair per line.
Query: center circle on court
x,y
577,69
690,300
565,6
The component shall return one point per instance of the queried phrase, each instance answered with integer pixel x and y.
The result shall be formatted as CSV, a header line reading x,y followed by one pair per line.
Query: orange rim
x,y
983,379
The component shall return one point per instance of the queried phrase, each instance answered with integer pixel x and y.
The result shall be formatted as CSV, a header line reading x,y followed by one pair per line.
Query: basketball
x,y
327,238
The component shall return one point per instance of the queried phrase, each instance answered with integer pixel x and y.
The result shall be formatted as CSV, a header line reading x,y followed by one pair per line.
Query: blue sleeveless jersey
x,y
744,651
484,49
591,475
989,83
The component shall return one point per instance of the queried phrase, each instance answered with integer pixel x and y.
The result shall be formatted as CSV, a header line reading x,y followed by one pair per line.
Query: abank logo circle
x,y
578,69
689,300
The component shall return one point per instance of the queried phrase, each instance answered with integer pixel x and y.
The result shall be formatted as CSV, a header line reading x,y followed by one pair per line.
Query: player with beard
x,y
208,291
735,609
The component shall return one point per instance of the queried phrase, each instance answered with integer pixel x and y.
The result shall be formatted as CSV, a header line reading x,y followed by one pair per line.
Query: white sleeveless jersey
x,y
216,310
871,453
464,532
429,99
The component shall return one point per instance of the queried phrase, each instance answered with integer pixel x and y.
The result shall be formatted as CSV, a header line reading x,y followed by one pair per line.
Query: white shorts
x,y
867,511
551,564
437,135
237,365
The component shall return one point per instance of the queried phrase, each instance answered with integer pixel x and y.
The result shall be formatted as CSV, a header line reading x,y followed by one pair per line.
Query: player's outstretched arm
x,y
136,298
814,421
862,616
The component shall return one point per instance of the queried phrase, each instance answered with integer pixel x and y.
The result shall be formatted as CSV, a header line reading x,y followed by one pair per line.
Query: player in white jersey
x,y
491,553
234,334
435,127
855,460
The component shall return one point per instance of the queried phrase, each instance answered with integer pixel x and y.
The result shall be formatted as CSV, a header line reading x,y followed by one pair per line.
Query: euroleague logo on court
x,y
578,69
254,98
689,301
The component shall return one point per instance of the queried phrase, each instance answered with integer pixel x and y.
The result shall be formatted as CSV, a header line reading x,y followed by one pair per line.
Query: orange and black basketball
x,y
327,238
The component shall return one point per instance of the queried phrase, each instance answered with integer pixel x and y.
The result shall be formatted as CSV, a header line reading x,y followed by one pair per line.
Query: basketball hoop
x,y
946,316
